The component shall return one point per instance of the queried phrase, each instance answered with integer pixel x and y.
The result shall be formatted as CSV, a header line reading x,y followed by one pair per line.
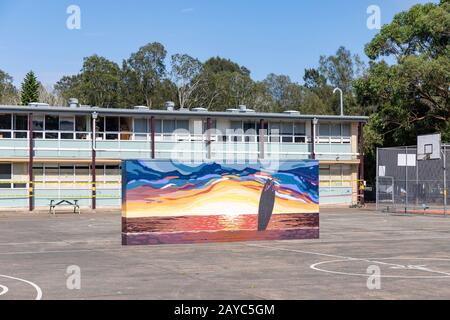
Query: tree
x,y
8,92
410,96
186,76
144,70
286,94
223,84
30,89
97,84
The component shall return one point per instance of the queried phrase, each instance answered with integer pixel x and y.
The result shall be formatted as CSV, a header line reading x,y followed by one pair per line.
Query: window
x,y
346,130
38,173
51,124
140,129
346,175
168,126
324,175
5,174
20,122
21,125
158,126
324,129
336,130
299,133
5,124
66,124
112,125
81,127
336,175
5,121
287,131
183,124
38,126
250,131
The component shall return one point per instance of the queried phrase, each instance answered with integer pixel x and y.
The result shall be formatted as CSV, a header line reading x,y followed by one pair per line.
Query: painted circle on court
x,y
4,289
401,268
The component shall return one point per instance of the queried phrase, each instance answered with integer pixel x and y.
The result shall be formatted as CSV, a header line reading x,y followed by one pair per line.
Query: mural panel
x,y
168,202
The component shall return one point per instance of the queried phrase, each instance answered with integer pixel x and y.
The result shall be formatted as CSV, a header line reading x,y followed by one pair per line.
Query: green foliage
x,y
30,89
97,84
8,93
411,97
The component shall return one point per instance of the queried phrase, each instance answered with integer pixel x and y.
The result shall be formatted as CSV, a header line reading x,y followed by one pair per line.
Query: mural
x,y
167,202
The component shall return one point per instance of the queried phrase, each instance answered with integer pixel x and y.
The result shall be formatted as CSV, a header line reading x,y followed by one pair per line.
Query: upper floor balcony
x,y
56,136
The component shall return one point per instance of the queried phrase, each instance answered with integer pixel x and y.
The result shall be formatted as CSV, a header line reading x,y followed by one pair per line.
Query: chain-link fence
x,y
406,185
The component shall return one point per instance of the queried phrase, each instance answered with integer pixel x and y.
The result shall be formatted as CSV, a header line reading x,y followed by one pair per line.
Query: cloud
x,y
187,10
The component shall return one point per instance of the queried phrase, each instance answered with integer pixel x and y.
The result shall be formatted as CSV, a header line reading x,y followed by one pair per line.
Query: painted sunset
x,y
172,200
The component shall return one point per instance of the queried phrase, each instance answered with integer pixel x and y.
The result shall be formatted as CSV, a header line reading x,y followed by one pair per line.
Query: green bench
x,y
72,203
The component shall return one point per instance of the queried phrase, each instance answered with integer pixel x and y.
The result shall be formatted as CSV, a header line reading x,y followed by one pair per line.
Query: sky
x,y
282,37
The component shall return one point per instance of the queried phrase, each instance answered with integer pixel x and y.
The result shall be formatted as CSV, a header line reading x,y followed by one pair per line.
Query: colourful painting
x,y
168,202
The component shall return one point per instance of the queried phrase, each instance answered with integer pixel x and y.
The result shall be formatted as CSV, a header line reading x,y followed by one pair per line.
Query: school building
x,y
48,152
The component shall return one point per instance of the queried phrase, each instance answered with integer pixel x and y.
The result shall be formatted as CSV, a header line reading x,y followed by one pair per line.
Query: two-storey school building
x,y
48,152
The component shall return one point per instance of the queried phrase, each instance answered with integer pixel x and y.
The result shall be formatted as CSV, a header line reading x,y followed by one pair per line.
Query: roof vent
x,y
199,109
73,103
140,108
38,104
292,112
170,105
242,108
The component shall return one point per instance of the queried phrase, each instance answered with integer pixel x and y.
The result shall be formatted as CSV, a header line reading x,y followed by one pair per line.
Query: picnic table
x,y
57,203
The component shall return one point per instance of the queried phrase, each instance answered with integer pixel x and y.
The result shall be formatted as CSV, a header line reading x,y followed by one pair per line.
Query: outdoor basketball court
x,y
412,253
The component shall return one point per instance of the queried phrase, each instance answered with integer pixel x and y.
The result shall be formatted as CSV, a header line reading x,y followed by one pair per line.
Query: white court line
x,y
403,267
3,290
35,286
372,261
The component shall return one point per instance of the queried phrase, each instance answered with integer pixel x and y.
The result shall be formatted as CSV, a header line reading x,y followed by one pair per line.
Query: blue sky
x,y
282,37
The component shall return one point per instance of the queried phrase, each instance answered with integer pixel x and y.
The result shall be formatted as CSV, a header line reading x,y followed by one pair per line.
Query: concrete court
x,y
412,253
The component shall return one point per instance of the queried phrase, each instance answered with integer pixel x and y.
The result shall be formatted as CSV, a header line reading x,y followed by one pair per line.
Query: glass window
x,y
112,172
287,128
21,125
51,123
140,125
168,126
299,129
324,175
112,124
158,126
324,129
51,173
5,174
336,175
336,130
80,123
346,130
5,171
20,122
100,124
125,124
236,125
38,173
183,124
346,175
38,123
66,123
5,121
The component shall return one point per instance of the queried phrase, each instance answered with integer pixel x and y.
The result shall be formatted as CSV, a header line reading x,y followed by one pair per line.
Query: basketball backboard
x,y
429,147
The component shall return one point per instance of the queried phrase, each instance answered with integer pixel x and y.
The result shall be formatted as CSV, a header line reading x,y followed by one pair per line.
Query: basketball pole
x,y
444,157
